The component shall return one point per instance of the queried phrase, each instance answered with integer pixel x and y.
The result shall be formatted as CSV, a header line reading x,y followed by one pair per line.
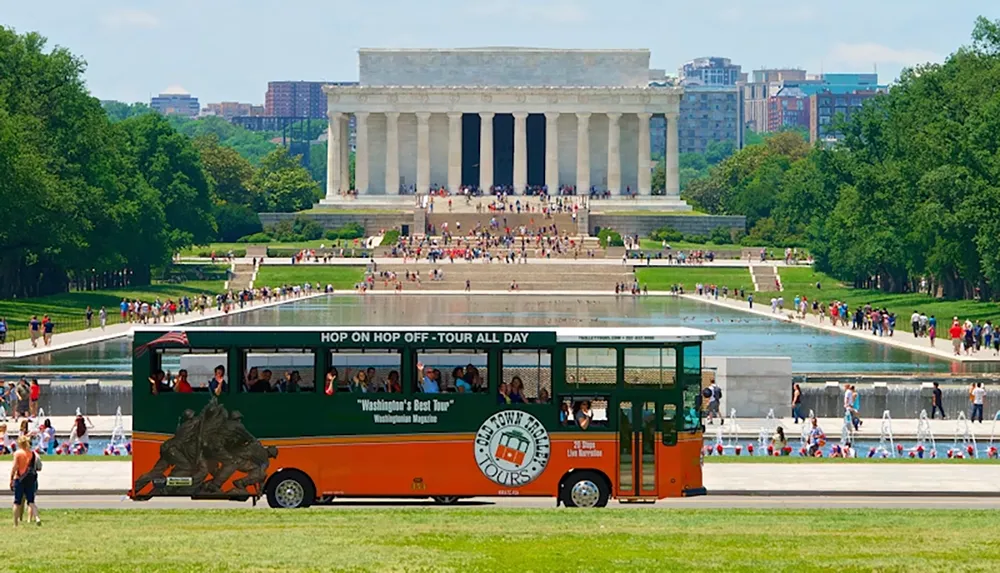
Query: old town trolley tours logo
x,y
512,448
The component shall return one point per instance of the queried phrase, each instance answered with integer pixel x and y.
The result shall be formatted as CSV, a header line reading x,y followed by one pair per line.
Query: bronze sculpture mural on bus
x,y
206,450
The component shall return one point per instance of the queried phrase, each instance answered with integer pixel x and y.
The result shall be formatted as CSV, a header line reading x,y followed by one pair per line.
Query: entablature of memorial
x,y
412,99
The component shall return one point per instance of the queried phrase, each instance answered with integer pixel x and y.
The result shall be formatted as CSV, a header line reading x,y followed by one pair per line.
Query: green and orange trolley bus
x,y
305,415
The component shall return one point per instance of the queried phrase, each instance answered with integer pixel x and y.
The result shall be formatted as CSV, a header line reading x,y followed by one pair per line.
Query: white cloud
x,y
863,55
130,18
555,12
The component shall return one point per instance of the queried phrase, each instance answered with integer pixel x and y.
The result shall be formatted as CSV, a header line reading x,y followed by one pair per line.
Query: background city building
x,y
298,99
827,105
760,86
786,85
176,101
788,109
711,71
231,109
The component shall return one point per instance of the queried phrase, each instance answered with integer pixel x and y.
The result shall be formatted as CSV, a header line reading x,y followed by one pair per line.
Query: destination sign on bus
x,y
446,337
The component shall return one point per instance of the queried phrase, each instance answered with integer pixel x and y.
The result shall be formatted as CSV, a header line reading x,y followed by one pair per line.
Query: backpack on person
x,y
717,393
707,392
34,466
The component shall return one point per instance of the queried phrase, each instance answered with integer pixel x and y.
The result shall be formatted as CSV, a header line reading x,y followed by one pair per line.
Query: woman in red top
x,y
181,384
36,393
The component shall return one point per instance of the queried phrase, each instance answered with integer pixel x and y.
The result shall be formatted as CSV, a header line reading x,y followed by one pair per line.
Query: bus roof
x,y
563,334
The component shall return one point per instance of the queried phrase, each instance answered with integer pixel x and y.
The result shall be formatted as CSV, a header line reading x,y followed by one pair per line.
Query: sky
x,y
227,50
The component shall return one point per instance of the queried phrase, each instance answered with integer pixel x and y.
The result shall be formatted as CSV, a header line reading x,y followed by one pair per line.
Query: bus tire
x,y
585,489
290,489
445,499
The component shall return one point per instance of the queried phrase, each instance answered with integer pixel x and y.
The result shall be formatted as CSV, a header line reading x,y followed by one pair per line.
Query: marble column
x,y
486,151
673,158
454,152
614,154
392,153
333,156
361,152
583,153
552,152
520,152
645,177
345,153
423,152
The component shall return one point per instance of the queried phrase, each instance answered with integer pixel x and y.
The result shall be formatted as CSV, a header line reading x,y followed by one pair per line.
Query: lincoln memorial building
x,y
485,117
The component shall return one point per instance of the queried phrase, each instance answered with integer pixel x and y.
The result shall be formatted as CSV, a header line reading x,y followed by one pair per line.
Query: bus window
x,y
650,366
692,361
182,370
458,371
528,374
691,418
365,371
279,371
584,412
591,366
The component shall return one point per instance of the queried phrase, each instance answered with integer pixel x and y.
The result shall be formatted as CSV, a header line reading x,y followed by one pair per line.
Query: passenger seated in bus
x,y
516,390
474,379
374,383
543,396
158,383
265,377
359,384
259,385
392,383
503,396
583,414
292,382
461,385
330,382
428,383
252,376
217,385
565,415
181,384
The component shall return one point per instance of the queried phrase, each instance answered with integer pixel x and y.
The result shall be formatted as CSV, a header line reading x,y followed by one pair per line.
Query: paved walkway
x,y
732,478
73,338
102,426
902,429
902,339
632,263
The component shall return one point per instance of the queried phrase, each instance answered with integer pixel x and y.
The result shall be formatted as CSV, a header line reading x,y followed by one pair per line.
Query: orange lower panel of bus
x,y
415,465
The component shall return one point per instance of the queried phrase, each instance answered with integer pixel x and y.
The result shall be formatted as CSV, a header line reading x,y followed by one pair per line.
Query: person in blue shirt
x,y
461,386
3,330
429,383
34,329
217,385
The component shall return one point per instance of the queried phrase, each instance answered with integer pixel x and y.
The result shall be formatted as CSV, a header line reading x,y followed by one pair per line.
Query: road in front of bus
x,y
501,503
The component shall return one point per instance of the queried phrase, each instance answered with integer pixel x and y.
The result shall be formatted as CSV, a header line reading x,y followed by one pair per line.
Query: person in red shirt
x,y
36,393
181,384
956,334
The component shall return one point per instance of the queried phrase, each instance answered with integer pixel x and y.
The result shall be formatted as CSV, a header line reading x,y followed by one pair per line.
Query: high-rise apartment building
x,y
231,109
710,114
711,71
788,109
297,99
827,105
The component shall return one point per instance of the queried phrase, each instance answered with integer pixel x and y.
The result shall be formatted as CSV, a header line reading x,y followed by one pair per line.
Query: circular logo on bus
x,y
512,448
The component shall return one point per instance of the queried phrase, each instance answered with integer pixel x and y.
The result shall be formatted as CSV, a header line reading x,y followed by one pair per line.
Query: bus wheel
x,y
445,499
586,489
290,490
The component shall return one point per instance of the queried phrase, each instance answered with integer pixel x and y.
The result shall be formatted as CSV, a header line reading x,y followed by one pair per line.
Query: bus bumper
x,y
696,491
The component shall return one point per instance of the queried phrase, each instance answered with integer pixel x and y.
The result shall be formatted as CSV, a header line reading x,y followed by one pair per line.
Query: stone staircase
x,y
563,221
241,277
585,244
765,278
498,276
256,251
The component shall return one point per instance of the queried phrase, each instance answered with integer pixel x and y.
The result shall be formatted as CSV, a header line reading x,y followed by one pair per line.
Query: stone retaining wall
x,y
372,222
643,225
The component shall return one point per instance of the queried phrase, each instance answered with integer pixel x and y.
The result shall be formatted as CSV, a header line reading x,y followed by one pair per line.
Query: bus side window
x,y
528,375
584,412
454,371
269,371
185,371
370,371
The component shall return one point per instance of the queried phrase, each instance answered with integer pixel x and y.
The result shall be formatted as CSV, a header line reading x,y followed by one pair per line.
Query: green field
x,y
340,277
495,539
68,309
221,249
662,278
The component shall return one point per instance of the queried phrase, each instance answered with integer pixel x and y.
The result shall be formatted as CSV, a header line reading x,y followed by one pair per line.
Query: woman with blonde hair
x,y
24,481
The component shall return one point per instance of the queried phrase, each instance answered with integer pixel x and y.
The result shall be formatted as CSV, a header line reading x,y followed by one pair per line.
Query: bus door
x,y
637,437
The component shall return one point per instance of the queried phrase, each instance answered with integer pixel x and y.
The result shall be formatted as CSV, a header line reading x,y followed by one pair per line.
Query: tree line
x,y
86,196
908,199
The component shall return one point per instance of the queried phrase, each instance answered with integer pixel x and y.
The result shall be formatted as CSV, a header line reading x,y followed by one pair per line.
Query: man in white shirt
x,y
978,393
915,323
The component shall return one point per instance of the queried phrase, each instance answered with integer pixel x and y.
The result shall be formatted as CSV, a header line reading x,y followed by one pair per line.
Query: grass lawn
x,y
802,281
651,245
222,248
339,276
494,539
68,309
661,278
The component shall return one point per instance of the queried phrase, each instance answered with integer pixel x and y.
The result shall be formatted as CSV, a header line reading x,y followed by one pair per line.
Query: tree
x,y
284,185
119,111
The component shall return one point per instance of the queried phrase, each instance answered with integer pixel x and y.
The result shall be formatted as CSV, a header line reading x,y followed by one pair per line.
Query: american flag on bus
x,y
176,337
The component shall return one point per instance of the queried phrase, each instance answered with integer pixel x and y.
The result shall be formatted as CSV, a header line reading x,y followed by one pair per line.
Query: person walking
x,y
797,404
936,405
978,393
103,317
24,481
956,333
34,393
